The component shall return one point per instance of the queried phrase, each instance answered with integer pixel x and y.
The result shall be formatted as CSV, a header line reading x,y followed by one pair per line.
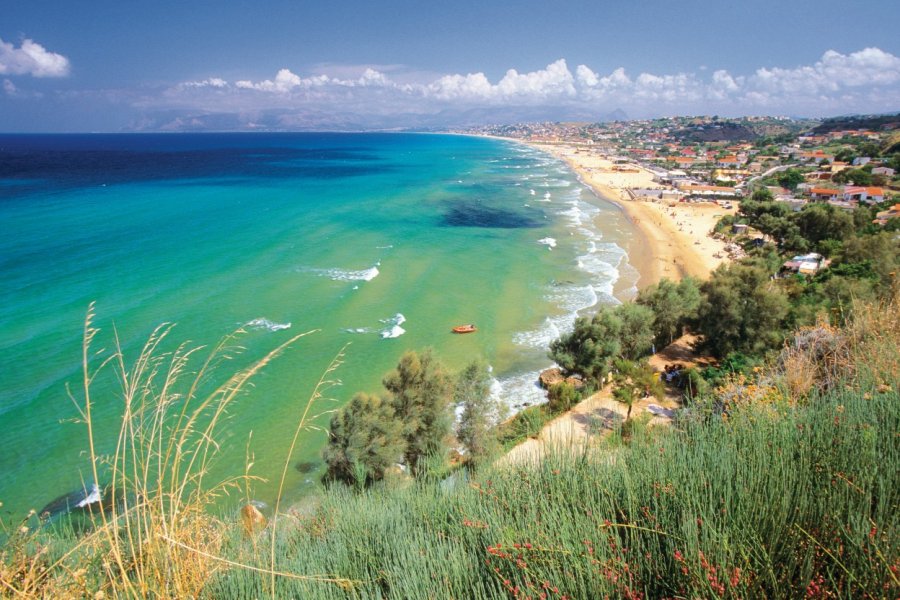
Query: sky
x,y
166,65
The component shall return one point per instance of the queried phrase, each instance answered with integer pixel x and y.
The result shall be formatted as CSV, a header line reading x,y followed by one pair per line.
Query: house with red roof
x,y
816,156
817,193
863,194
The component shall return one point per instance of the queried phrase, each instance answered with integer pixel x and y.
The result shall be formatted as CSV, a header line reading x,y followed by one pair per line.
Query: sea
x,y
375,243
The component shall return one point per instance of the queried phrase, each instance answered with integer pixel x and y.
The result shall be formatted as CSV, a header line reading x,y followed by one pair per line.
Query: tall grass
x,y
795,502
784,496
155,534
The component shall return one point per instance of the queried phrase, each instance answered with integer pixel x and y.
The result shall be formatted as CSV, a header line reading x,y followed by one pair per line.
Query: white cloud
x,y
585,76
9,87
863,81
31,59
553,82
833,72
212,82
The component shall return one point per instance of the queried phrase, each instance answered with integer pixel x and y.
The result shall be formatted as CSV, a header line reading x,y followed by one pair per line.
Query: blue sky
x,y
164,65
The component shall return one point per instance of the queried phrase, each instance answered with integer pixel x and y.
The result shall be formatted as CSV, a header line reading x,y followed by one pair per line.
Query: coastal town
x,y
677,178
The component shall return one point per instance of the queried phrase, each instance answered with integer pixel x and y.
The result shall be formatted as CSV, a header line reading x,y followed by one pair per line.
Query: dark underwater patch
x,y
472,214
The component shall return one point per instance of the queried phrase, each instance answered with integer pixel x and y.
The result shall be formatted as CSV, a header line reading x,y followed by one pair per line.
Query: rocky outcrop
x,y
252,520
552,376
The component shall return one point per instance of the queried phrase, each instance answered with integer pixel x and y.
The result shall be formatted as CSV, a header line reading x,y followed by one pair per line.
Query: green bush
x,y
562,396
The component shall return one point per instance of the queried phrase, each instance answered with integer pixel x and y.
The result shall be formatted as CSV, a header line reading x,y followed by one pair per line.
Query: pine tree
x,y
475,430
365,438
421,400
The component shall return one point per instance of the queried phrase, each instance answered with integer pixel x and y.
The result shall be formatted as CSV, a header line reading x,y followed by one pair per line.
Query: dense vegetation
x,y
778,480
791,492
873,122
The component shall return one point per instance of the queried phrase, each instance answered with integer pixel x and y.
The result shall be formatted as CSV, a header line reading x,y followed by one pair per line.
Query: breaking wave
x,y
262,323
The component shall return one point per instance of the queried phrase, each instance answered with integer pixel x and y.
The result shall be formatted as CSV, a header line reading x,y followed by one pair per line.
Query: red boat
x,y
464,328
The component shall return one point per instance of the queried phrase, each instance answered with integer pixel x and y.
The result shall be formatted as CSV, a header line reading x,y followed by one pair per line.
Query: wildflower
x,y
678,556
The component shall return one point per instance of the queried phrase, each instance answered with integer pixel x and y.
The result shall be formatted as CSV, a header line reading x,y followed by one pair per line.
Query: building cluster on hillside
x,y
703,158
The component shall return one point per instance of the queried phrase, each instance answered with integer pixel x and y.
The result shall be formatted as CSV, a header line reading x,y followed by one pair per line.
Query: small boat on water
x,y
464,328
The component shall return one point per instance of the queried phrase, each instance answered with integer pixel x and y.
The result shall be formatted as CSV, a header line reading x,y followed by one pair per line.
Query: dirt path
x,y
598,415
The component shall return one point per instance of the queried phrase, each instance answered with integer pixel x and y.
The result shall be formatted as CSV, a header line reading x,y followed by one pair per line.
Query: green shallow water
x,y
210,232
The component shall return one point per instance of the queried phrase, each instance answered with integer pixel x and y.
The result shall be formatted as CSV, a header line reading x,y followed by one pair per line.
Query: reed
x,y
782,497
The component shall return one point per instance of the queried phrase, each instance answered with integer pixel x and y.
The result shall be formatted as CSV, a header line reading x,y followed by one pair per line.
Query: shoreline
x,y
673,238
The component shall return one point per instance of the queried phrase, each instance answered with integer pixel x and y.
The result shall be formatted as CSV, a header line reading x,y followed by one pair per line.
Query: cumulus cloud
x,y
835,71
9,87
31,59
863,81
553,82
212,82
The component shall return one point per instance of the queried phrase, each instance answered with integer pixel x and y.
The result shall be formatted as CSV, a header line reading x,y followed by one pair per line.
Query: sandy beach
x,y
676,238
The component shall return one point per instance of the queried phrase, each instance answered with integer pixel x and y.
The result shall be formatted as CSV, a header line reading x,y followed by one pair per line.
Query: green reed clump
x,y
786,502
778,497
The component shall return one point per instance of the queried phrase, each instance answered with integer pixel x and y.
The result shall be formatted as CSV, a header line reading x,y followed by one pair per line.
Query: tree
x,y
845,155
854,176
636,336
625,331
762,194
365,438
421,400
741,310
479,411
819,222
591,346
673,306
633,380
790,179
881,251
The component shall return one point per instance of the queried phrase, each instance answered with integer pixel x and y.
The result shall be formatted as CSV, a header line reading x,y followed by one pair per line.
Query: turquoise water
x,y
381,241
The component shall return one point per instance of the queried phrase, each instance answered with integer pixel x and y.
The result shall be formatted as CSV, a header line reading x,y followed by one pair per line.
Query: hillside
x,y
781,485
865,122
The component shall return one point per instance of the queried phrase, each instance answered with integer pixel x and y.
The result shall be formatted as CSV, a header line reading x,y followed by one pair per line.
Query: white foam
x,y
541,337
91,498
394,332
548,241
532,192
262,323
345,275
518,391
358,330
393,329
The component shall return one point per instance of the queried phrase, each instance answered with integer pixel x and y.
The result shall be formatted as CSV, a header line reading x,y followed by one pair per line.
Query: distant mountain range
x,y
318,120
